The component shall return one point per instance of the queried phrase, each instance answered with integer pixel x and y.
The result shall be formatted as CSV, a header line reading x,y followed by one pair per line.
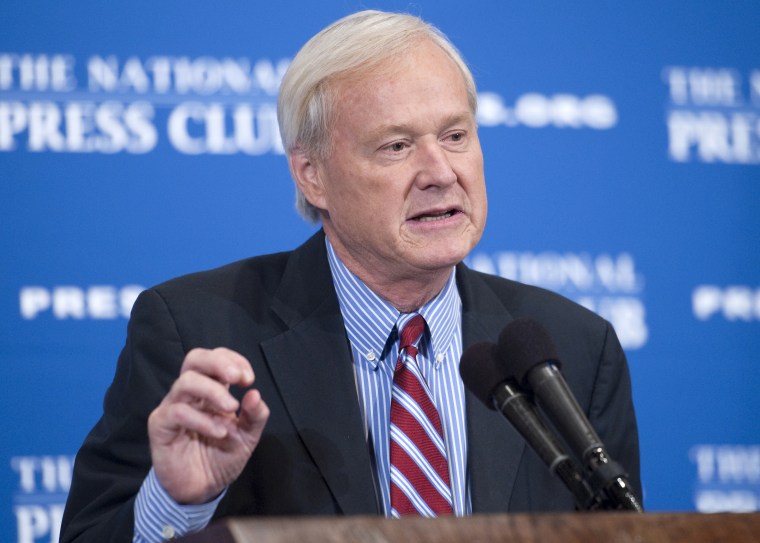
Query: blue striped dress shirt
x,y
372,326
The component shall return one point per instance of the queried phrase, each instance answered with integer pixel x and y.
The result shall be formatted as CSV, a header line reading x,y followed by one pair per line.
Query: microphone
x,y
484,378
526,353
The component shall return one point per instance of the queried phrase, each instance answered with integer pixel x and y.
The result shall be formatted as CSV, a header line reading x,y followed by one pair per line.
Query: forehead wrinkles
x,y
350,98
395,79
340,91
352,90
339,96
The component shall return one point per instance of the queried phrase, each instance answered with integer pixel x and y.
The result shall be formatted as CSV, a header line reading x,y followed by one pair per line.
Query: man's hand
x,y
199,441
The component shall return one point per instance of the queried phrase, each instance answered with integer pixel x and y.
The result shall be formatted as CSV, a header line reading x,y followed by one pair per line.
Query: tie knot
x,y
411,332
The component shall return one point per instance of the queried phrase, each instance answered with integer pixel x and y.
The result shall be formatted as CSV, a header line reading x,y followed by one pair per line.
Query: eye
x,y
396,146
456,136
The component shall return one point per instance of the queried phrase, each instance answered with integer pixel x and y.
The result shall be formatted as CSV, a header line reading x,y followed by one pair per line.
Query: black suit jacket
x,y
281,312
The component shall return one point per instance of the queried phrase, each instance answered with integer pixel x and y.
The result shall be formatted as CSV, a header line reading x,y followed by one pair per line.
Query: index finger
x,y
224,365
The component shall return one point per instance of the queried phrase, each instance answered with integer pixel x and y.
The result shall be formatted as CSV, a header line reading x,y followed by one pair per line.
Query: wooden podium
x,y
519,528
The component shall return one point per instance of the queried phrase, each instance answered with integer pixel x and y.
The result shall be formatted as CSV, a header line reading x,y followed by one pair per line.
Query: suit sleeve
x,y
611,411
115,457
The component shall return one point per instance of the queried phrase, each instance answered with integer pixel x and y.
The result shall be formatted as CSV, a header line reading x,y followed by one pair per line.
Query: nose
x,y
434,167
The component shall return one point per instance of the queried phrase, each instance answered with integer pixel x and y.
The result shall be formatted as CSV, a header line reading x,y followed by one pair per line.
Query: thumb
x,y
253,417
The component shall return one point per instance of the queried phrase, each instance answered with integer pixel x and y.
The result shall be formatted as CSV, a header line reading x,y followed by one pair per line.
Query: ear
x,y
307,176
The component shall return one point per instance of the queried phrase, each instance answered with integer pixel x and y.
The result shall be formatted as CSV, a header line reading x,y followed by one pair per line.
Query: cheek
x,y
473,182
354,204
375,192
339,189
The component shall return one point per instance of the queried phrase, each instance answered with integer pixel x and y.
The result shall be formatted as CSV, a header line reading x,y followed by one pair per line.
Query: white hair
x,y
351,46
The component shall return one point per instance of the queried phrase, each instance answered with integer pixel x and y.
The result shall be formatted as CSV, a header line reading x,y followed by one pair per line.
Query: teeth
x,y
429,218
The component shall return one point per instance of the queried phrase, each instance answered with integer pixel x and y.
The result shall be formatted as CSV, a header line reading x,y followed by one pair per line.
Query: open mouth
x,y
435,216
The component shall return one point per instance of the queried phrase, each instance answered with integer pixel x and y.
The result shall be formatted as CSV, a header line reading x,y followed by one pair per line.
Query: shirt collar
x,y
370,320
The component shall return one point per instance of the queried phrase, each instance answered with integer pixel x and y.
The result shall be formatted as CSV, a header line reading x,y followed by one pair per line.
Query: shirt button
x,y
439,357
168,532
370,356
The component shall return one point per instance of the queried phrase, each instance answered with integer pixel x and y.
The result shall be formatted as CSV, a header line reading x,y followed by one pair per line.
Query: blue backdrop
x,y
622,143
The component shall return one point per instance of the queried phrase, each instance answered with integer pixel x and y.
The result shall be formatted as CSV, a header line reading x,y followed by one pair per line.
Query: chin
x,y
444,257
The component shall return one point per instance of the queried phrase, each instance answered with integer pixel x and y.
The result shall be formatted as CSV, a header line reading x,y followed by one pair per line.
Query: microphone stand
x,y
521,411
609,484
603,486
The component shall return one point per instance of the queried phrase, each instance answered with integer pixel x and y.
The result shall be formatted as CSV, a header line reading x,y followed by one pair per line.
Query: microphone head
x,y
480,372
523,344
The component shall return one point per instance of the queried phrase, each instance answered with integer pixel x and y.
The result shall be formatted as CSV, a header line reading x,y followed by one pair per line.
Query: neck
x,y
408,295
407,291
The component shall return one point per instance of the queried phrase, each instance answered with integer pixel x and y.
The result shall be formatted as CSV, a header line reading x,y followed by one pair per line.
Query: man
x,y
272,386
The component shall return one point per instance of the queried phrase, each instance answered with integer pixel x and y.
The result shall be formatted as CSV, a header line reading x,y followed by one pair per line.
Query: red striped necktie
x,y
419,468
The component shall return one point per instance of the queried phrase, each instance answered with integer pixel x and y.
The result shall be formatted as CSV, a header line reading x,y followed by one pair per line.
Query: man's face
x,y
403,186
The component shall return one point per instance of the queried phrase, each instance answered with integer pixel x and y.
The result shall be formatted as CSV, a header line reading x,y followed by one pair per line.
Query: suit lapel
x,y
311,363
494,447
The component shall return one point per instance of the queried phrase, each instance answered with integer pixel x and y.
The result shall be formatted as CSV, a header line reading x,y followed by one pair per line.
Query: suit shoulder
x,y
528,301
255,274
